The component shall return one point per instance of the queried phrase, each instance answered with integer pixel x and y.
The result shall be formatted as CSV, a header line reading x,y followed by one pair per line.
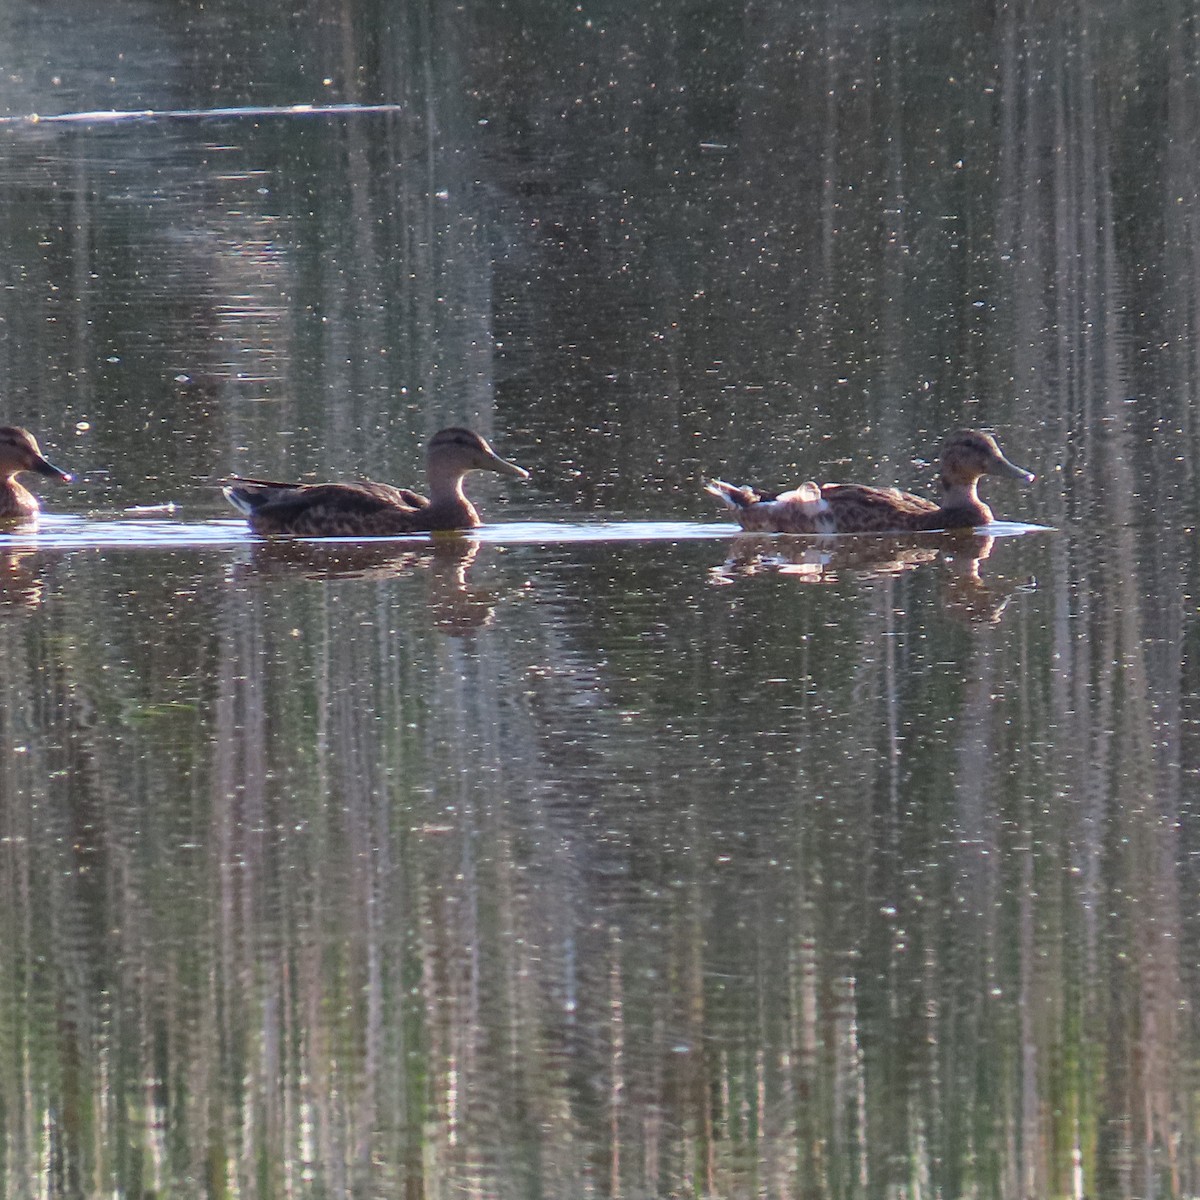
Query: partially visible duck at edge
x,y
375,509
967,456
19,452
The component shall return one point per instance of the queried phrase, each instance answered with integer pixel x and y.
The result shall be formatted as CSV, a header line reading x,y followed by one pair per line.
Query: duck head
x,y
456,451
967,454
19,452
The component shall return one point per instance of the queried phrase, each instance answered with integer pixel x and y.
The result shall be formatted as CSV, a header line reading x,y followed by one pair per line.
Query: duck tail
x,y
730,494
249,495
240,498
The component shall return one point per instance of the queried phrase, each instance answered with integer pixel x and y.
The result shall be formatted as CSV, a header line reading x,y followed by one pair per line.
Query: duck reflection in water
x,y
828,560
21,584
454,605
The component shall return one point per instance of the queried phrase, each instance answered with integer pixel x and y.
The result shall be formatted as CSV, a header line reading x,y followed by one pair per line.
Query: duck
x,y
375,509
20,452
967,455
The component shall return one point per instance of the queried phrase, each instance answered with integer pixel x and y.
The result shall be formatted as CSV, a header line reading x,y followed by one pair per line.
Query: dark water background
x,y
605,854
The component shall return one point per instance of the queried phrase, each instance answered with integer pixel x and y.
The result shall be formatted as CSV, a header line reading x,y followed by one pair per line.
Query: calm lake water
x,y
606,853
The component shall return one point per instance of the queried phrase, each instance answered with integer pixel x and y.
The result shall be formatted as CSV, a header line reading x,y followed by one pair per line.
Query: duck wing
x,y
328,509
267,495
860,508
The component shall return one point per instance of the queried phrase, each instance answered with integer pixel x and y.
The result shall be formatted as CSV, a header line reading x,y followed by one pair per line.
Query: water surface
x,y
606,851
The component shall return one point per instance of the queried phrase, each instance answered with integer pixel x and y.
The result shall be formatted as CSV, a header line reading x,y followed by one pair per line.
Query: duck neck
x,y
16,500
447,501
963,495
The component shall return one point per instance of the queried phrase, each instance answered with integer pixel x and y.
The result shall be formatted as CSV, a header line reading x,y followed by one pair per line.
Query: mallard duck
x,y
375,509
858,508
19,452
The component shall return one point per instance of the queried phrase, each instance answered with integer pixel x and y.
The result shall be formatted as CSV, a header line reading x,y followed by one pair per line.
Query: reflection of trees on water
x,y
812,884
306,295
647,886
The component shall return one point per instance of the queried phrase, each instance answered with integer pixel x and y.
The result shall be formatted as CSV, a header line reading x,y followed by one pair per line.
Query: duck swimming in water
x,y
967,455
19,452
375,509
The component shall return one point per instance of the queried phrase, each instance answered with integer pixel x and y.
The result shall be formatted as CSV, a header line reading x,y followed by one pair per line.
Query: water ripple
x,y
86,533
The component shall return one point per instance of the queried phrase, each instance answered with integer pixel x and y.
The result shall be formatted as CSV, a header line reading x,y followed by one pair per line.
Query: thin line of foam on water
x,y
113,116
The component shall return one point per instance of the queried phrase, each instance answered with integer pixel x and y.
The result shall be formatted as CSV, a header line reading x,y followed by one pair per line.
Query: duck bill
x,y
503,467
44,467
1011,471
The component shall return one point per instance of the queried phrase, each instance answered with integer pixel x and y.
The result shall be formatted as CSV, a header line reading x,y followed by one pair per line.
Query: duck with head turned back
x,y
19,452
375,509
967,456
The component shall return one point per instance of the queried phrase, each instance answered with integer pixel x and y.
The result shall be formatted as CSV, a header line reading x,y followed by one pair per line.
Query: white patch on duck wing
x,y
802,507
807,494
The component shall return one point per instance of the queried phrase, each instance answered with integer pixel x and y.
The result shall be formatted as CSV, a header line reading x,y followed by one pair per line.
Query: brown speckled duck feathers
x,y
967,456
20,452
375,509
